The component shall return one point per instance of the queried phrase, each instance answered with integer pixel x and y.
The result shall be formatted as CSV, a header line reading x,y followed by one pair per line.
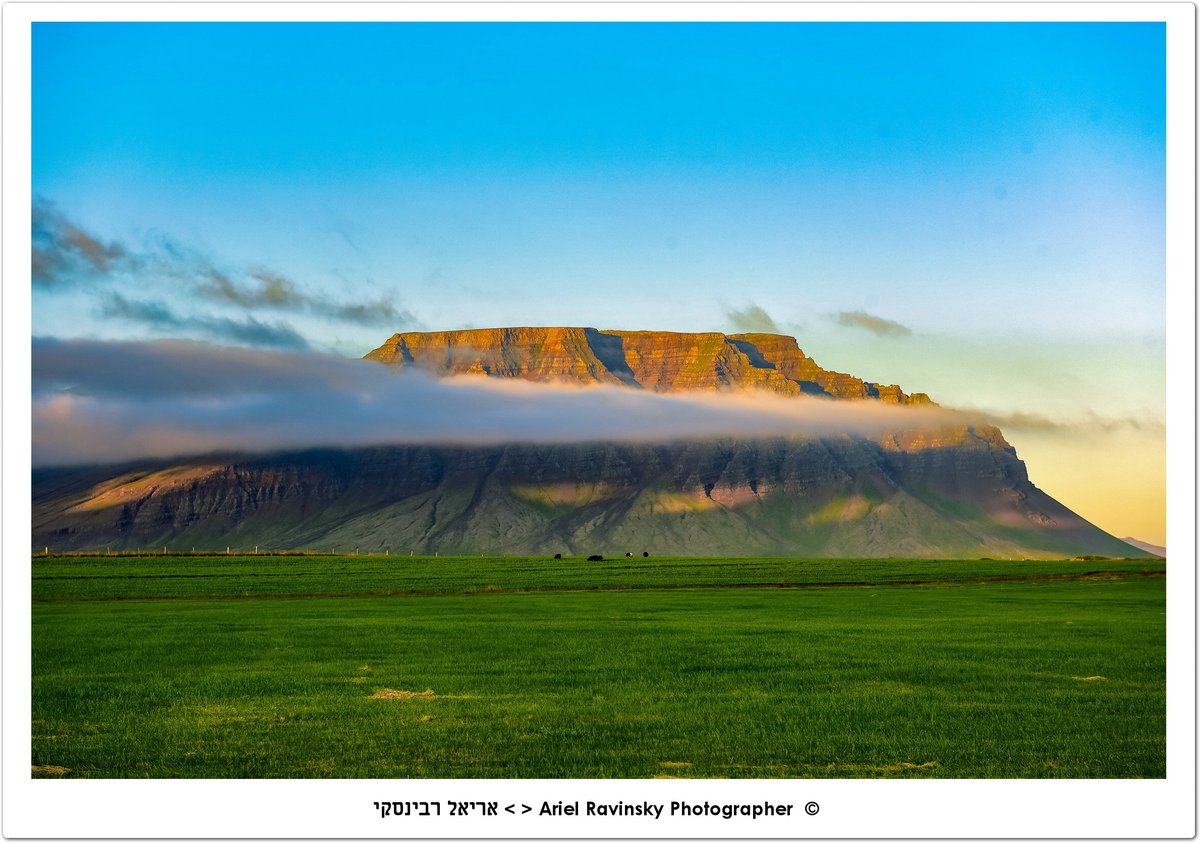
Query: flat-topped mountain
x,y
659,361
935,489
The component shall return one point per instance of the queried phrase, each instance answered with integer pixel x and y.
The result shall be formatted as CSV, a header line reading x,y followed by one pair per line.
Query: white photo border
x,y
1162,808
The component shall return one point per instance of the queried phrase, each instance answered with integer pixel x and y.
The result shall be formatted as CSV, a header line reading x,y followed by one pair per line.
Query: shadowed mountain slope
x,y
841,496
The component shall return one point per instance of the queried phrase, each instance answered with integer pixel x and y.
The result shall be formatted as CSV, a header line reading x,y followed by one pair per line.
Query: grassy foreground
x,y
985,671
88,577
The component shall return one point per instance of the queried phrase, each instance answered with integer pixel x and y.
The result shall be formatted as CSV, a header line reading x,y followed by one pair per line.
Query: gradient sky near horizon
x,y
976,211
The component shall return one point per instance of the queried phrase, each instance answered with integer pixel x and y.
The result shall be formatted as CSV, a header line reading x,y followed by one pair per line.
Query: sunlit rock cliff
x,y
659,361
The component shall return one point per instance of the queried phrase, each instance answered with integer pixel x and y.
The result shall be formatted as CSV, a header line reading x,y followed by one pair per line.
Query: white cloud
x,y
106,401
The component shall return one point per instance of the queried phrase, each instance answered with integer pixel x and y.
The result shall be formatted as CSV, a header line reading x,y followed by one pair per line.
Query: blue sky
x,y
887,167
995,190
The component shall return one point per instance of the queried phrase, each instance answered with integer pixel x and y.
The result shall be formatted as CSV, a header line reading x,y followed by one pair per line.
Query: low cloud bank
x,y
97,401
1088,422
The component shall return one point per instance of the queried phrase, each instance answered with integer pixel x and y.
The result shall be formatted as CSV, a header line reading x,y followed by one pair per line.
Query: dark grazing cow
x,y
595,558
558,556
645,554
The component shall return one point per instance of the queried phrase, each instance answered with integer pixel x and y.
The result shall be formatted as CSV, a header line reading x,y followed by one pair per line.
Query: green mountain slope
x,y
845,496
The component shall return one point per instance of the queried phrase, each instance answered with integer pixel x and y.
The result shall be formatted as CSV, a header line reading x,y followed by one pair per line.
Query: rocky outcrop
x,y
660,361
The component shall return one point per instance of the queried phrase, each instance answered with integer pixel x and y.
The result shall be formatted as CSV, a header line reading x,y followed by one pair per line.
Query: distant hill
x,y
1152,549
957,490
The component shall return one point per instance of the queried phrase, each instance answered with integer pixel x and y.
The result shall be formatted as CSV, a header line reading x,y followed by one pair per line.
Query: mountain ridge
x,y
658,361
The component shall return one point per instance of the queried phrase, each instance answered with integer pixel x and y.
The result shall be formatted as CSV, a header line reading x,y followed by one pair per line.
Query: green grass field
x,y
531,668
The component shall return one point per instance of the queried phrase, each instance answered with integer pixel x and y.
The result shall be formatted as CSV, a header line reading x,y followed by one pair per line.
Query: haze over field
x,y
973,211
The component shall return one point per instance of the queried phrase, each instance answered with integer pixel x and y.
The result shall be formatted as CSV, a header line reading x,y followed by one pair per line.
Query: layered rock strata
x,y
659,361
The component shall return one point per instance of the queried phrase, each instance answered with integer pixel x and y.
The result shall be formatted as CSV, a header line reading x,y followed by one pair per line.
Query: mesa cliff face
x,y
659,361
946,491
